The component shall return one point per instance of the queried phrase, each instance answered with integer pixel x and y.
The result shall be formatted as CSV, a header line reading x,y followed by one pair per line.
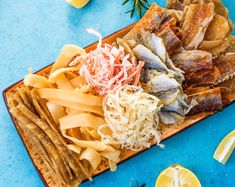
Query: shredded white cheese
x,y
131,114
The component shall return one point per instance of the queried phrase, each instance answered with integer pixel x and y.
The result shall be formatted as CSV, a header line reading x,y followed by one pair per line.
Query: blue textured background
x,y
32,34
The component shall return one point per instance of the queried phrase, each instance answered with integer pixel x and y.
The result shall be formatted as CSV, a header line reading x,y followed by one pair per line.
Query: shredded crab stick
x,y
108,67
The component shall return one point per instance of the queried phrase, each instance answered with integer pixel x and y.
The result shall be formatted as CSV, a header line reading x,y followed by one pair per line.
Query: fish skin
x,y
156,45
170,118
226,66
171,41
226,94
153,42
178,73
215,47
150,21
191,61
151,60
191,91
205,79
208,101
176,107
231,48
163,83
197,19
168,97
175,4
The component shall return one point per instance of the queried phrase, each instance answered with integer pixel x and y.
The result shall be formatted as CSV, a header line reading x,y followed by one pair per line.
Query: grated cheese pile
x,y
131,114
108,67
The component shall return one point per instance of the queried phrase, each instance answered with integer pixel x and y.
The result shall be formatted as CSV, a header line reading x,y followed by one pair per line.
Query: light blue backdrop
x,y
32,34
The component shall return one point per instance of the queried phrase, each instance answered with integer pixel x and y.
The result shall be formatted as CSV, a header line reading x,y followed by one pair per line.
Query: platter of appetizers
x,y
98,106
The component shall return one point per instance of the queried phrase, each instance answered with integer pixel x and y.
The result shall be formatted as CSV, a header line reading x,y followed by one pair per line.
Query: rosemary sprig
x,y
137,5
136,184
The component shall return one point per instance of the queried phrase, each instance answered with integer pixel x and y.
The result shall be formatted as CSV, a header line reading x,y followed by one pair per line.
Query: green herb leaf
x,y
136,184
125,2
139,6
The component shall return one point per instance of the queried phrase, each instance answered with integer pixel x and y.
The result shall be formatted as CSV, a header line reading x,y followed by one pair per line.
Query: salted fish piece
x,y
226,66
151,60
176,107
168,97
154,43
208,101
191,61
197,19
170,118
163,83
171,41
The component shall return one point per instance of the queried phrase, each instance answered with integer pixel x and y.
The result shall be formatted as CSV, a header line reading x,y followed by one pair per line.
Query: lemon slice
x,y
177,176
225,148
77,3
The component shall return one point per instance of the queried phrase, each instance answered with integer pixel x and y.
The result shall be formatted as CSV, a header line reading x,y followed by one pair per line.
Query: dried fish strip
x,y
38,147
38,150
226,66
151,21
231,48
73,163
41,124
203,78
208,101
175,4
215,47
173,100
33,139
45,112
218,28
152,50
171,41
197,19
34,129
221,10
192,61
40,111
23,92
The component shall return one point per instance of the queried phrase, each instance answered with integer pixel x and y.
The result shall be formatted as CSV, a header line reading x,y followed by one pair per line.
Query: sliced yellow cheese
x,y
66,55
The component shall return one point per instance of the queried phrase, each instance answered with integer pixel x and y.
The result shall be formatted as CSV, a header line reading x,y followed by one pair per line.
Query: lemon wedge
x,y
225,148
77,3
177,176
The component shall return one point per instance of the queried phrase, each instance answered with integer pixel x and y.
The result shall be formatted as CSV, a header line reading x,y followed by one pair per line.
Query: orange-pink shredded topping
x,y
108,67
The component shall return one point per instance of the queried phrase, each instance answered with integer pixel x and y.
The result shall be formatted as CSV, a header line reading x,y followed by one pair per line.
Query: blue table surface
x,y
32,34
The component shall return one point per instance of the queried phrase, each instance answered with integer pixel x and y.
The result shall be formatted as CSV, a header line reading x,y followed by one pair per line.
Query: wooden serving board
x,y
166,130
